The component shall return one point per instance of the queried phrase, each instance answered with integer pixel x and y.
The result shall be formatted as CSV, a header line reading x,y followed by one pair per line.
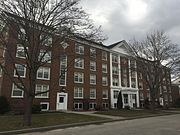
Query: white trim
x,y
19,90
49,69
47,106
24,76
38,96
78,77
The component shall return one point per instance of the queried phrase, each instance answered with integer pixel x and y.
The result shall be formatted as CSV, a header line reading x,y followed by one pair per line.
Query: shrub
x,y
36,108
4,105
177,103
127,107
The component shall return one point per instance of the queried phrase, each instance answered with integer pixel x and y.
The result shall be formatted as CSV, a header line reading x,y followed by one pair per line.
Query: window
x,y
104,55
104,68
125,98
115,94
42,88
105,105
115,81
45,56
133,82
78,77
92,79
92,65
92,106
133,74
93,52
104,81
105,94
20,52
46,39
2,25
44,106
63,68
22,34
17,92
140,85
114,58
164,88
115,105
78,92
141,96
20,70
165,97
79,49
115,70
149,96
78,106
92,93
170,98
79,63
43,73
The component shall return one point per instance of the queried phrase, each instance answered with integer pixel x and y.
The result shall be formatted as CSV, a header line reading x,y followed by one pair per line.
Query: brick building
x,y
85,75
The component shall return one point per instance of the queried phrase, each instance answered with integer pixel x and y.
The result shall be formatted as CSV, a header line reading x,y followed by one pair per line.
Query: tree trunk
x,y
28,111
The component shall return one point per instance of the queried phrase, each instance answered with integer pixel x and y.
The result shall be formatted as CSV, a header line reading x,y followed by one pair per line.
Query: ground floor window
x,y
78,106
44,106
92,105
105,105
115,105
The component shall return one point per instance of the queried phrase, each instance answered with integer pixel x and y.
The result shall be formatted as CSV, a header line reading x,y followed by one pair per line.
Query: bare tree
x,y
33,24
155,57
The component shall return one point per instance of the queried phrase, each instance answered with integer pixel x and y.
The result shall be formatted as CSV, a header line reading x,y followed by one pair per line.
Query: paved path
x,y
162,125
91,113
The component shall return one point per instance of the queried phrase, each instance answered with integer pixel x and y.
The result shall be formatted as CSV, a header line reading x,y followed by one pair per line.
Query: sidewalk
x,y
91,113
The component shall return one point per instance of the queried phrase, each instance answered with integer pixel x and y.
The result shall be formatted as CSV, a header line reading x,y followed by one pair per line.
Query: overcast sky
x,y
126,19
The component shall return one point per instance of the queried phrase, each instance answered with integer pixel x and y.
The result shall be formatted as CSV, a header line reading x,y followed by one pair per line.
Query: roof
x,y
113,45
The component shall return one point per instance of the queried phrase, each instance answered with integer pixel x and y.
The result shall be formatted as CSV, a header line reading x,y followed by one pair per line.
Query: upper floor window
x,y
104,81
78,92
115,70
104,55
42,90
92,94
20,70
45,56
114,58
22,34
115,81
16,91
93,52
104,68
78,77
43,73
115,94
63,73
105,94
92,65
79,49
79,63
20,52
92,79
46,39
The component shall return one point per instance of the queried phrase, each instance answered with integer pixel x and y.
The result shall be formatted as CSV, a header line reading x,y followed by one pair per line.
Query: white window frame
x,y
92,64
104,79
43,68
40,95
47,56
79,63
63,69
80,76
47,103
114,58
79,49
15,75
115,70
92,79
104,55
78,103
105,92
93,104
17,89
92,52
104,68
20,48
92,91
115,81
115,94
80,91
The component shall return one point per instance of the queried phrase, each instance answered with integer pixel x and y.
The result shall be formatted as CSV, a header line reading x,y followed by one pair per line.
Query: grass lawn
x,y
12,122
133,113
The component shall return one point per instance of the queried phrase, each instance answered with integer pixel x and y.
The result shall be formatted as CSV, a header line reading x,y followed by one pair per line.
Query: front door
x,y
61,101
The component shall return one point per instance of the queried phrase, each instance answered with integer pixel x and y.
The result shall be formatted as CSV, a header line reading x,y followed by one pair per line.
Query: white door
x,y
61,101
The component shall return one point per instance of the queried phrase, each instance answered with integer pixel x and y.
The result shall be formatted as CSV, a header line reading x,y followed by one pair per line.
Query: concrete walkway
x,y
92,113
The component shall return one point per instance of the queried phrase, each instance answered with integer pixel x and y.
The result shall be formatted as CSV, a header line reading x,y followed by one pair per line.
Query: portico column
x,y
137,98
